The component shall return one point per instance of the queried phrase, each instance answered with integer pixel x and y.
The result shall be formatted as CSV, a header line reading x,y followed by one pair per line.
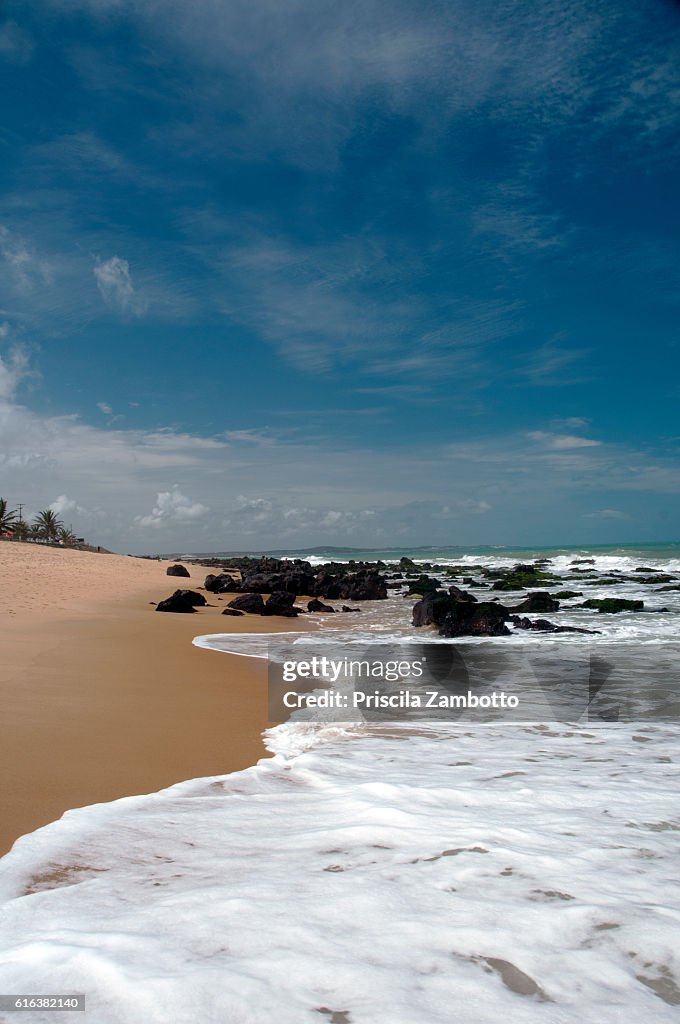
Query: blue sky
x,y
365,273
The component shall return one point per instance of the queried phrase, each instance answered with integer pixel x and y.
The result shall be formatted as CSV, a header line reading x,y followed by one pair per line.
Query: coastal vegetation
x,y
46,527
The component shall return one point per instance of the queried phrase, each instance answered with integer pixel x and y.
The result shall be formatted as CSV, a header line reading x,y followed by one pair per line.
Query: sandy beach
x,y
101,696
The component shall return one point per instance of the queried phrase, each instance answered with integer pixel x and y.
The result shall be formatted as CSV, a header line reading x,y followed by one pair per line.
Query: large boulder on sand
x,y
181,601
222,584
252,603
177,570
281,603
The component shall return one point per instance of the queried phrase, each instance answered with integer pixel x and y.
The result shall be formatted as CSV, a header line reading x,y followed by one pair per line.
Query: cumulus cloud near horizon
x,y
172,507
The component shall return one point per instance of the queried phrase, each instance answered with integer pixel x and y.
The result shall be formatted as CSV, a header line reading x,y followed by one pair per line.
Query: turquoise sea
x,y
665,550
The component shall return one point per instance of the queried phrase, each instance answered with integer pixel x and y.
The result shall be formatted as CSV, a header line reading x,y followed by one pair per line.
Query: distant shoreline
x,y
397,552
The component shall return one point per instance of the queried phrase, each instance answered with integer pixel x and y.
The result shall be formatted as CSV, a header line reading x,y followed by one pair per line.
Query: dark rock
x,y
263,583
565,594
432,609
299,583
461,595
423,585
483,619
582,561
370,587
292,581
181,601
222,584
280,603
346,608
191,595
252,603
541,601
315,605
177,570
543,626
613,605
232,611
326,584
171,604
643,568
521,577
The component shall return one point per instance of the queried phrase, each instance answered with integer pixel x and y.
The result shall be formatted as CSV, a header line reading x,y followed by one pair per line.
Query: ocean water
x,y
391,619
631,553
370,873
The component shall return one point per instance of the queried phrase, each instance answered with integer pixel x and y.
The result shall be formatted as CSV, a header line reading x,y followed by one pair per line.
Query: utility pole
x,y
21,509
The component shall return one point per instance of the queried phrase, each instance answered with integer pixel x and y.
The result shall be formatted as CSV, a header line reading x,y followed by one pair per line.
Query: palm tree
x,y
67,537
7,518
47,525
22,531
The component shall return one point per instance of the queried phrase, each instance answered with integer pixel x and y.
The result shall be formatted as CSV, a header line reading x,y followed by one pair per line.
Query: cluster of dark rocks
x,y
283,581
280,602
457,613
365,584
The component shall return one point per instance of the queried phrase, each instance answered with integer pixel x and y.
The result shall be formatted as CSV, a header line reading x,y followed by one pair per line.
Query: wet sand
x,y
103,697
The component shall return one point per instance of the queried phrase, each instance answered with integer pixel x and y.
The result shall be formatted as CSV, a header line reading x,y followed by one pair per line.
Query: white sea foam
x,y
410,874
368,875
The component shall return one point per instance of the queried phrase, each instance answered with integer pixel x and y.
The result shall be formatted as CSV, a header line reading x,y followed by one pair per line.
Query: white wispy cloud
x,y
114,281
606,513
552,365
561,442
572,423
26,269
251,437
